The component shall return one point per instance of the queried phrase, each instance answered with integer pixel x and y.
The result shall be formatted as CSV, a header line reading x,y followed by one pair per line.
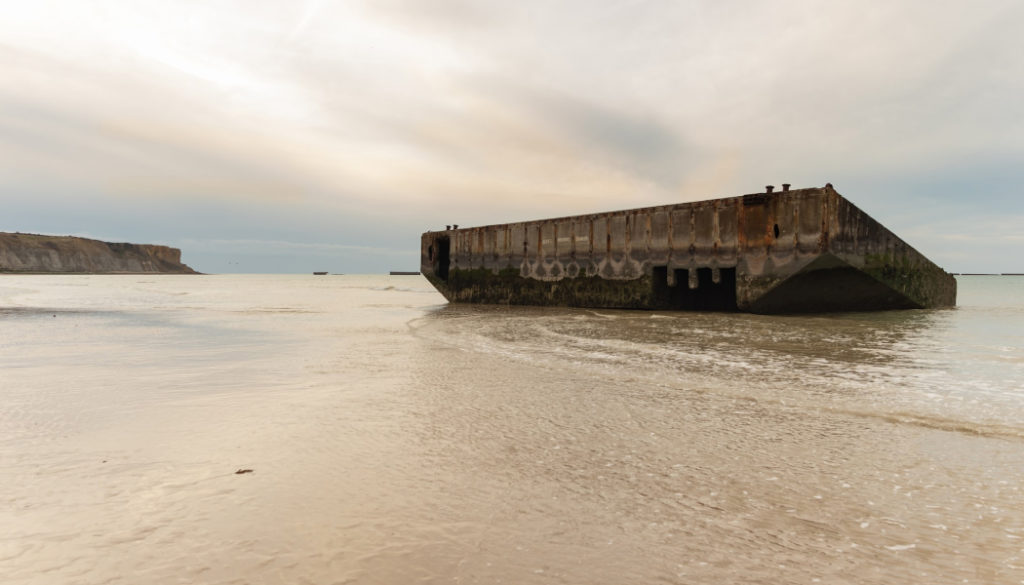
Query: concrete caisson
x,y
805,250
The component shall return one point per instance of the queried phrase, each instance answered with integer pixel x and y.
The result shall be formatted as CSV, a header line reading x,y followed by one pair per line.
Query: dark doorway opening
x,y
444,248
708,296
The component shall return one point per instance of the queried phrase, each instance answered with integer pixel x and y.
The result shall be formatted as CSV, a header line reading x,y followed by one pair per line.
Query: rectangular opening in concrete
x,y
708,296
661,292
443,258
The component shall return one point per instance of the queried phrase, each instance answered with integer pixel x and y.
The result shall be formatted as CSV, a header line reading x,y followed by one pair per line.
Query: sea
x,y
340,429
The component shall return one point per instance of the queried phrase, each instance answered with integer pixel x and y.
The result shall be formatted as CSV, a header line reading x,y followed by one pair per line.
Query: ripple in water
x,y
394,439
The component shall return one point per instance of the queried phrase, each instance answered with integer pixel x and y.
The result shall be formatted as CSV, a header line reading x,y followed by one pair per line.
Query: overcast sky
x,y
298,136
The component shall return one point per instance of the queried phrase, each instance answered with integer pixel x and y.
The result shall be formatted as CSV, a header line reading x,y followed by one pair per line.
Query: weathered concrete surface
x,y
31,253
806,250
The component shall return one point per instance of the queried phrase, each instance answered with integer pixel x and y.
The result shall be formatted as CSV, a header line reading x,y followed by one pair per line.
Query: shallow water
x,y
396,439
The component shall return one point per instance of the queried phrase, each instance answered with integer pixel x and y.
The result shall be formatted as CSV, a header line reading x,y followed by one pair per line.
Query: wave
x,y
903,368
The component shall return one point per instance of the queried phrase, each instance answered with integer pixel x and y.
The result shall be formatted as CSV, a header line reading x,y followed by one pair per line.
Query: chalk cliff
x,y
31,253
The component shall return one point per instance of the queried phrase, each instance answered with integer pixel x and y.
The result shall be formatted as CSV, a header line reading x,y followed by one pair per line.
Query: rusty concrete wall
x,y
862,243
766,238
779,235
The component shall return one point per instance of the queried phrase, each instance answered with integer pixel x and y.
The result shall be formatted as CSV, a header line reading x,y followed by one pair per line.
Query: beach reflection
x,y
394,439
568,434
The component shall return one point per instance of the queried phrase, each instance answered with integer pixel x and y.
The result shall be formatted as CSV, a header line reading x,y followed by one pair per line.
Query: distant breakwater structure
x,y
790,251
41,254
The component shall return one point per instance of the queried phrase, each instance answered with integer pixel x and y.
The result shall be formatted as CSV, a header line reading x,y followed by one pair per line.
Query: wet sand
x,y
392,440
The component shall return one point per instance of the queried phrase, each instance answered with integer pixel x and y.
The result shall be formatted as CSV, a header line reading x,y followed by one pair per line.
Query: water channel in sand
x,y
395,439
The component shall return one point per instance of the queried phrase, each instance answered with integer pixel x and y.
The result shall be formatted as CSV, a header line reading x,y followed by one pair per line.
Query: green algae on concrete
x,y
480,285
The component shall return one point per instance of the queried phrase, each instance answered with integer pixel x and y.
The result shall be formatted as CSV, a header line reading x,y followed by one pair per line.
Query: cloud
x,y
408,115
320,248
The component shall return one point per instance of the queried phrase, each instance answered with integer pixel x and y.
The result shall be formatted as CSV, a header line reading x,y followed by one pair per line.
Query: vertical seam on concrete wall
x,y
650,218
572,240
716,235
627,236
691,246
608,235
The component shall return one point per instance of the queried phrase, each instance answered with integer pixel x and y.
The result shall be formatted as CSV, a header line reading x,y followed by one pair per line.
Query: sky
x,y
297,136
